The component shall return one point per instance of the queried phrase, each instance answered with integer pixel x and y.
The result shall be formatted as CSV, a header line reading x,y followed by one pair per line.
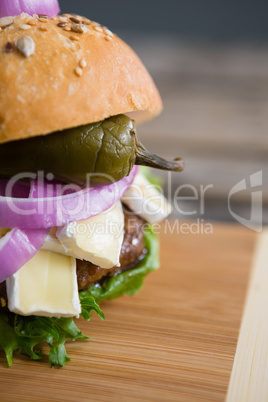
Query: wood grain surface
x,y
249,379
174,341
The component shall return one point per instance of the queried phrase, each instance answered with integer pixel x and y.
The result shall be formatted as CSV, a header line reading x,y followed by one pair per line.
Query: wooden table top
x,y
174,341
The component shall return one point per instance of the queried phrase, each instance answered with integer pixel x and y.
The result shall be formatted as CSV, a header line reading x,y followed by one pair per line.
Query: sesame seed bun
x,y
65,72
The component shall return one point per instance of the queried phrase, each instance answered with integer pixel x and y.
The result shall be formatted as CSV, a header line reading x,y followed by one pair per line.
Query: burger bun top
x,y
65,72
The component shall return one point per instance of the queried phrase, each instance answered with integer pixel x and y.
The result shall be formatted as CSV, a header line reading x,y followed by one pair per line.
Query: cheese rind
x,y
46,286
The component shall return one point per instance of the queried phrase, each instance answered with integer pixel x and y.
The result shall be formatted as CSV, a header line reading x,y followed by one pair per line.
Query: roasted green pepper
x,y
106,150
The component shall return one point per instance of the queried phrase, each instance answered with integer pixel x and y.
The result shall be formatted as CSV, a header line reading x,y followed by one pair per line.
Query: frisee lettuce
x,y
26,333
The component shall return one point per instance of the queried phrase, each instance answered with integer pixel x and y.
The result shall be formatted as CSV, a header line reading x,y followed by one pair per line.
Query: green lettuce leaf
x,y
154,179
128,282
24,334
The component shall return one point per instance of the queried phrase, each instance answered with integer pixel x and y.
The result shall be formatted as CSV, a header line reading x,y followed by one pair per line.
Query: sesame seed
x,y
98,29
6,22
62,24
32,22
74,37
79,28
75,20
86,22
82,63
107,37
42,28
78,71
63,19
41,19
75,15
108,32
25,27
67,28
8,47
26,45
45,16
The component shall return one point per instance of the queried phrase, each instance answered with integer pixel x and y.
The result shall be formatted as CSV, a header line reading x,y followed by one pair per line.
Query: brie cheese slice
x,y
145,200
46,285
52,243
98,239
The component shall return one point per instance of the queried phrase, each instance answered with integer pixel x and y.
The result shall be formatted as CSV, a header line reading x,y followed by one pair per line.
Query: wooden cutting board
x,y
174,341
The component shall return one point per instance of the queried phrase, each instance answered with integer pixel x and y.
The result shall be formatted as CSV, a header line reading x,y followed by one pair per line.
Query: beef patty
x,y
132,251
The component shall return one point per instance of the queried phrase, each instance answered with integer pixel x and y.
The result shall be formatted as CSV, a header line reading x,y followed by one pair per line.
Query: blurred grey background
x,y
214,19
209,59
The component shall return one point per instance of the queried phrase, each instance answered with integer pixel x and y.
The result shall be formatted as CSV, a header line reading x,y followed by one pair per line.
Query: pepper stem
x,y
144,158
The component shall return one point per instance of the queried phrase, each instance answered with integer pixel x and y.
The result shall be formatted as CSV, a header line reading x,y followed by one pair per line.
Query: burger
x,y
75,209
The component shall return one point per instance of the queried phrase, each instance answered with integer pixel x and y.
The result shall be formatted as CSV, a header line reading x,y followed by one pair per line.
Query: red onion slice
x,y
16,7
17,247
47,210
